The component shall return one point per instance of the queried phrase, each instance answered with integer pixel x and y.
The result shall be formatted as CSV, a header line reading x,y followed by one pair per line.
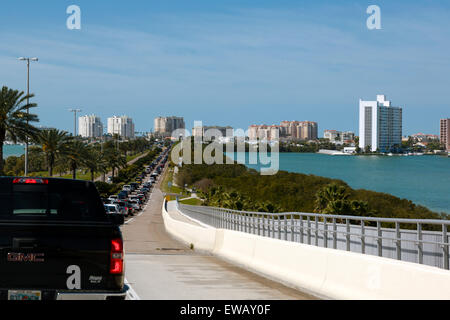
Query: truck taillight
x,y
116,256
30,181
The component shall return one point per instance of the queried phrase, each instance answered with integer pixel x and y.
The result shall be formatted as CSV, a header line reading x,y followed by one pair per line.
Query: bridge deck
x,y
159,267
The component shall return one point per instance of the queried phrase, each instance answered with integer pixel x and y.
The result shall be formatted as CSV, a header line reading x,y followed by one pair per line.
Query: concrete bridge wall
x,y
327,273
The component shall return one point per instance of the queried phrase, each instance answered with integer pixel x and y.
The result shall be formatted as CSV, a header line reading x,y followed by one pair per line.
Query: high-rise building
x,y
212,132
307,130
264,132
445,133
380,125
340,137
165,126
122,126
90,126
299,130
332,135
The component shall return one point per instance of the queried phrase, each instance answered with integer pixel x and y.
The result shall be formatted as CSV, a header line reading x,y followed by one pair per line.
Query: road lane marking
x,y
131,294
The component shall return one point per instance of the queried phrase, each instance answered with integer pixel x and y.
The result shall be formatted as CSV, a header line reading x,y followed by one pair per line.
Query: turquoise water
x,y
423,179
13,150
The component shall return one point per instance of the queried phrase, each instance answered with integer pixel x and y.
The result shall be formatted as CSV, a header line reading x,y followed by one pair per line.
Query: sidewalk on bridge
x,y
175,214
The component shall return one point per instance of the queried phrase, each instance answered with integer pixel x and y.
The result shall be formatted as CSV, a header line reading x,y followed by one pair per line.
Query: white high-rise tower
x,y
380,125
90,126
123,126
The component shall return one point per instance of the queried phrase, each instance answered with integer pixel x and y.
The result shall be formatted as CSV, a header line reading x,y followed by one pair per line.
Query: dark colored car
x,y
57,242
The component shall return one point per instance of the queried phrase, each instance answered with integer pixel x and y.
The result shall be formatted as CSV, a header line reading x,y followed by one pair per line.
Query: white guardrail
x,y
324,272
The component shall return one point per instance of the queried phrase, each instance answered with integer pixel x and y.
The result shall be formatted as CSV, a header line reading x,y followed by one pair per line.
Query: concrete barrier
x,y
327,273
202,238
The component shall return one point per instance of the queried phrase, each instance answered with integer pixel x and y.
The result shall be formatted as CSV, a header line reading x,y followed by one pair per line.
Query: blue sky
x,y
230,62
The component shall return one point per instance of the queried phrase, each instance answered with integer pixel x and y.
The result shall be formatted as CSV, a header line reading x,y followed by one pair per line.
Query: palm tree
x,y
115,160
95,162
331,199
76,155
14,118
54,144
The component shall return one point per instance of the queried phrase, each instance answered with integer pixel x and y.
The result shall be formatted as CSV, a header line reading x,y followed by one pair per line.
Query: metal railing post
x,y
347,234
325,233
379,239
334,234
419,244
279,227
259,224
301,228
309,229
398,241
263,226
316,231
246,224
445,247
363,238
285,228
273,226
292,228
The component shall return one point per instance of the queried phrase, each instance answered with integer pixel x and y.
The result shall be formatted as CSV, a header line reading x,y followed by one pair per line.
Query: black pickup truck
x,y
57,242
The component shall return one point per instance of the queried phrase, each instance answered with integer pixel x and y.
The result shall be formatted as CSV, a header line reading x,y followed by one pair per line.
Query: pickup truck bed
x,y
57,242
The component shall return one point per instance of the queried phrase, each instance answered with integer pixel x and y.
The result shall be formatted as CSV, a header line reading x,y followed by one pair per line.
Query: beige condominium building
x,y
299,130
264,132
165,126
445,133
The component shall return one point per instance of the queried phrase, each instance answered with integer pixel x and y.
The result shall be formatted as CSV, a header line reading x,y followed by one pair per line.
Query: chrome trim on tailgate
x,y
91,295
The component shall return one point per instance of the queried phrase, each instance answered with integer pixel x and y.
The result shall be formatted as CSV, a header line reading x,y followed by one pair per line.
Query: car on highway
x,y
57,242
135,205
112,209
122,207
134,185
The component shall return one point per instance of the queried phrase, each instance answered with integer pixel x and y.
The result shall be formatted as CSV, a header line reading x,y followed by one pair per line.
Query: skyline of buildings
x,y
380,128
380,125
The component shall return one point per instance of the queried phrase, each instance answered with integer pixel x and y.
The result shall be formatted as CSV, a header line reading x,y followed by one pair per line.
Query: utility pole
x,y
28,110
75,111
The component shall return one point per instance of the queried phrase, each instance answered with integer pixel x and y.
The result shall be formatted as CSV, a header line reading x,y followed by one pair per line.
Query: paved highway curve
x,y
161,268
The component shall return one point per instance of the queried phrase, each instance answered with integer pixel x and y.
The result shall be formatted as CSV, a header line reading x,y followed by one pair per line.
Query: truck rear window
x,y
58,200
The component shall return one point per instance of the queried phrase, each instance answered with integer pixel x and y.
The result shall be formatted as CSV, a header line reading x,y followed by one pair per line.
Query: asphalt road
x,y
161,268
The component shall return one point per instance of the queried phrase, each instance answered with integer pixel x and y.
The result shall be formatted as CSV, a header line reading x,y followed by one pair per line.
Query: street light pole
x,y
28,110
75,120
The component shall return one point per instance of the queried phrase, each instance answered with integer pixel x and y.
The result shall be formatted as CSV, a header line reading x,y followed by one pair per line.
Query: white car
x,y
112,209
127,188
113,198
